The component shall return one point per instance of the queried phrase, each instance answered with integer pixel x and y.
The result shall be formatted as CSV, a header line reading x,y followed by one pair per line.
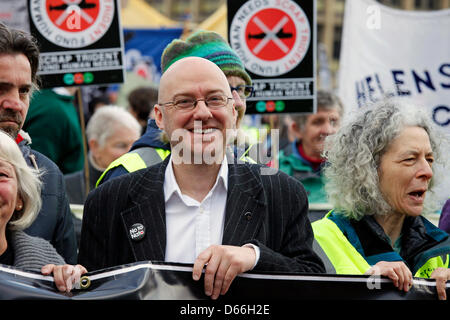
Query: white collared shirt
x,y
193,226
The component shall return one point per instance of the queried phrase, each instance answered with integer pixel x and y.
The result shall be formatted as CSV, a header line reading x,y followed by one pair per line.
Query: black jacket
x,y
54,221
269,211
76,183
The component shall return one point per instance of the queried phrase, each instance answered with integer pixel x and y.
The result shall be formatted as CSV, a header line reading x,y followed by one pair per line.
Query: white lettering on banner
x,y
39,19
77,61
283,89
105,21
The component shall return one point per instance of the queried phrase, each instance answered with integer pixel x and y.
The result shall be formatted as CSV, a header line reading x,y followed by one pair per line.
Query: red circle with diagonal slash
x,y
267,20
73,15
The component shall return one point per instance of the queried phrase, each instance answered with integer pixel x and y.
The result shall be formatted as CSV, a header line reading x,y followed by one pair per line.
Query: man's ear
x,y
158,114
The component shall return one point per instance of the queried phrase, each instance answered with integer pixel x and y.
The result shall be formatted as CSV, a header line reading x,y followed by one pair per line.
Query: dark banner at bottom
x,y
154,281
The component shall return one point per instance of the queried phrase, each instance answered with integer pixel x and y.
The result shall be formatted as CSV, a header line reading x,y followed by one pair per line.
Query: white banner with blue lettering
x,y
391,52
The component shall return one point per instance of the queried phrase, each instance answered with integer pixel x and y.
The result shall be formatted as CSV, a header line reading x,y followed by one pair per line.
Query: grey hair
x,y
354,154
105,121
28,184
326,100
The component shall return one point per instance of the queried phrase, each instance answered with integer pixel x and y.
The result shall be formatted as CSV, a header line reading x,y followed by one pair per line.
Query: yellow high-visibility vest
x,y
133,161
345,259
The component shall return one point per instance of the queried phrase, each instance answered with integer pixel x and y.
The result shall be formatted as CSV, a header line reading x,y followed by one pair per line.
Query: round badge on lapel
x,y
137,231
248,216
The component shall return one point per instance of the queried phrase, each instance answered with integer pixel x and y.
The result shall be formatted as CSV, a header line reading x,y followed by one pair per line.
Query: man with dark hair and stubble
x,y
19,63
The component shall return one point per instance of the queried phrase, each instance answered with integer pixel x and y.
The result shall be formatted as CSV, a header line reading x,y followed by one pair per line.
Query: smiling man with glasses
x,y
195,110
219,216
209,45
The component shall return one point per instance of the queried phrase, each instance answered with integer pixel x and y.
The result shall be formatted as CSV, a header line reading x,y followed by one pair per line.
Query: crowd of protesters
x,y
172,162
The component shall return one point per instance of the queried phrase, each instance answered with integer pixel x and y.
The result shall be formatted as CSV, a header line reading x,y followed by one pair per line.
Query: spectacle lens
x,y
244,91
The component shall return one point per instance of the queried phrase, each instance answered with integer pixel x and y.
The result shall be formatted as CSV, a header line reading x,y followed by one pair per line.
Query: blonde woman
x,y
20,203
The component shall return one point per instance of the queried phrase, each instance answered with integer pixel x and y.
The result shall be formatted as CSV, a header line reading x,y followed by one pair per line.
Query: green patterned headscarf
x,y
209,45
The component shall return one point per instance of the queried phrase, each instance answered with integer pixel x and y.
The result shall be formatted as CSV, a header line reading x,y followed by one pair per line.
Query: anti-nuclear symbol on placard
x,y
270,34
74,15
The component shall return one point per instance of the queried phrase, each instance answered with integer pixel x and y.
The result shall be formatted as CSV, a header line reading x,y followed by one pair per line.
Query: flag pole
x,y
83,134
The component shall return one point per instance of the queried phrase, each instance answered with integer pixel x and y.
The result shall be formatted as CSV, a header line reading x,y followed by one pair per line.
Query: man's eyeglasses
x,y
184,103
244,91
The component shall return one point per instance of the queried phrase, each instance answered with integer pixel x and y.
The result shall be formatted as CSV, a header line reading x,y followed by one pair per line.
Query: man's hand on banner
x,y
223,264
65,276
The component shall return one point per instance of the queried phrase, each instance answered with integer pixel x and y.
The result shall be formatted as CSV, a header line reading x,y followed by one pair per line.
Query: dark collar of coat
x,y
242,177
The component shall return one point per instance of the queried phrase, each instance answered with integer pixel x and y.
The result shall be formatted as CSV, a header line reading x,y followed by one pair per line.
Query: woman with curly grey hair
x,y
379,172
20,202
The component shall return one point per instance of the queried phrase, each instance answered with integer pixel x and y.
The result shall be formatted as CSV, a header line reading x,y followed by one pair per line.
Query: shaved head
x,y
201,129
189,69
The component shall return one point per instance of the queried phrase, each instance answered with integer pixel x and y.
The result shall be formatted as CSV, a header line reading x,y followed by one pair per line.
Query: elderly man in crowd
x,y
303,158
195,206
110,133
19,61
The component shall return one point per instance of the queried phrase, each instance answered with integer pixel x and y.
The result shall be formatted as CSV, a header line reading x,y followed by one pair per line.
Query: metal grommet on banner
x,y
85,282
